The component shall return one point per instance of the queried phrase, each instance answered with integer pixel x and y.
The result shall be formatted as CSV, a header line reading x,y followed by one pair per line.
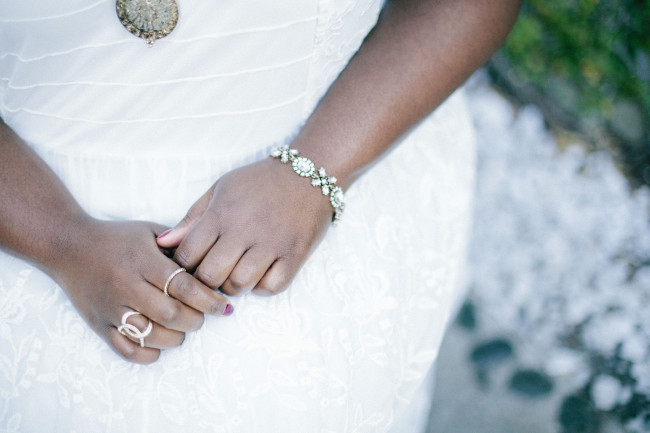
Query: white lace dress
x,y
140,133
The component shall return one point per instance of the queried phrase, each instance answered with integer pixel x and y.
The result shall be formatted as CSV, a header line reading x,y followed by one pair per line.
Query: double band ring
x,y
170,278
129,330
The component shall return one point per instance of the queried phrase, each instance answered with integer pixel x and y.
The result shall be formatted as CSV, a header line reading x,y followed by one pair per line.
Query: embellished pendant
x,y
148,19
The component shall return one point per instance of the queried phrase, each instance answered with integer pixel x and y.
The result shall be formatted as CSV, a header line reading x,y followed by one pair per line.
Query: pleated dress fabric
x,y
140,133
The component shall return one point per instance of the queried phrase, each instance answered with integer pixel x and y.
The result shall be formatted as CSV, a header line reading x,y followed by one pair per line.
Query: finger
x,y
197,243
248,272
192,292
158,229
276,279
187,290
172,238
159,337
220,261
129,350
168,312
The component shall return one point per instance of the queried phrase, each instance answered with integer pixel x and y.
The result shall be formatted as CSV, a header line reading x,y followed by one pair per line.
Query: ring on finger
x,y
170,278
129,330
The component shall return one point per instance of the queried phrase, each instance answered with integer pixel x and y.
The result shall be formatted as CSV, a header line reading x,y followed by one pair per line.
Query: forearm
x,y
37,213
417,55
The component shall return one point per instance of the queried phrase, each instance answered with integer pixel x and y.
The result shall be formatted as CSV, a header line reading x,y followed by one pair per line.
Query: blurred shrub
x,y
587,63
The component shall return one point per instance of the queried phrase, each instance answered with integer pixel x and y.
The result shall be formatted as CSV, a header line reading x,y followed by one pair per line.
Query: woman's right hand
x,y
110,268
106,268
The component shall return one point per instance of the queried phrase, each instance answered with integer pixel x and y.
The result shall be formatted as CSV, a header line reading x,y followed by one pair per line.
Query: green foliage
x,y
586,63
601,47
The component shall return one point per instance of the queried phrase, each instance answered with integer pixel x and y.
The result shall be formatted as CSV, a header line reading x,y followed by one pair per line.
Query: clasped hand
x,y
252,230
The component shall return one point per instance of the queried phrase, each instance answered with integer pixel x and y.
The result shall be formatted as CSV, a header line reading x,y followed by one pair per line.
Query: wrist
x,y
317,177
334,158
67,244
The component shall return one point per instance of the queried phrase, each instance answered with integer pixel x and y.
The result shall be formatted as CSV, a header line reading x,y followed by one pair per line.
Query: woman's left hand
x,y
252,230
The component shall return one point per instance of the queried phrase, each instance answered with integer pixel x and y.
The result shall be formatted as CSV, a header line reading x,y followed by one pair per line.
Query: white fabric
x,y
139,133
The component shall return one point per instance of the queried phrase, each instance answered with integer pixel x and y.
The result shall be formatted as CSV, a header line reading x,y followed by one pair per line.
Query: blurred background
x,y
555,333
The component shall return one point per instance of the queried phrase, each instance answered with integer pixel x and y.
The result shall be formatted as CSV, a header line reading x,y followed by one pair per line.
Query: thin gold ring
x,y
129,330
170,278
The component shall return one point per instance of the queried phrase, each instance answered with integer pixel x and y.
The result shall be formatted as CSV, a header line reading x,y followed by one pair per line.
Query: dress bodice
x,y
73,79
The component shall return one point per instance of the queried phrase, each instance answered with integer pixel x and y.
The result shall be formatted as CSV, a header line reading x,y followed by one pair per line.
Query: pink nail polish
x,y
165,233
228,310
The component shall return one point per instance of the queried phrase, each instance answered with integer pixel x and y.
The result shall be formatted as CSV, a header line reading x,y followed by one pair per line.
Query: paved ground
x,y
461,405
573,243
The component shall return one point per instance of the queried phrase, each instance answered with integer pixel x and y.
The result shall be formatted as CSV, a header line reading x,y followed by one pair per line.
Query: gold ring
x,y
170,278
129,330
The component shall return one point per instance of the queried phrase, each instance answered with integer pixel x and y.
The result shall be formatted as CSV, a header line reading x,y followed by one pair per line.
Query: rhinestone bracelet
x,y
306,168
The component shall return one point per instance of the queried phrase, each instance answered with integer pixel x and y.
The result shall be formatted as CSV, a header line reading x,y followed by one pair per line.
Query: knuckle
x,y
228,289
278,287
127,351
216,213
193,214
279,282
171,313
185,288
154,358
298,249
208,278
182,257
198,323
242,278
237,282
236,287
177,340
189,217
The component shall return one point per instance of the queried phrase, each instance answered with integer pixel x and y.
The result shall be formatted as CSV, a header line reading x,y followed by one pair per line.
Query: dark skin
x,y
105,268
420,51
417,55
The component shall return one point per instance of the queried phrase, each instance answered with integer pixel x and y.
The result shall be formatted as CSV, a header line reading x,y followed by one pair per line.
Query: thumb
x,y
173,237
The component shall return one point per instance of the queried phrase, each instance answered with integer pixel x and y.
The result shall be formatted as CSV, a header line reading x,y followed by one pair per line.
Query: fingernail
x,y
228,310
165,233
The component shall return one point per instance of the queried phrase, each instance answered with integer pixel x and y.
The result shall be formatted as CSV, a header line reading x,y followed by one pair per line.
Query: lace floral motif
x,y
342,349
342,26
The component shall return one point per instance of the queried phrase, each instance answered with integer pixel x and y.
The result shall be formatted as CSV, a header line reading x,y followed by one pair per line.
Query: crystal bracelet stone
x,y
306,168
